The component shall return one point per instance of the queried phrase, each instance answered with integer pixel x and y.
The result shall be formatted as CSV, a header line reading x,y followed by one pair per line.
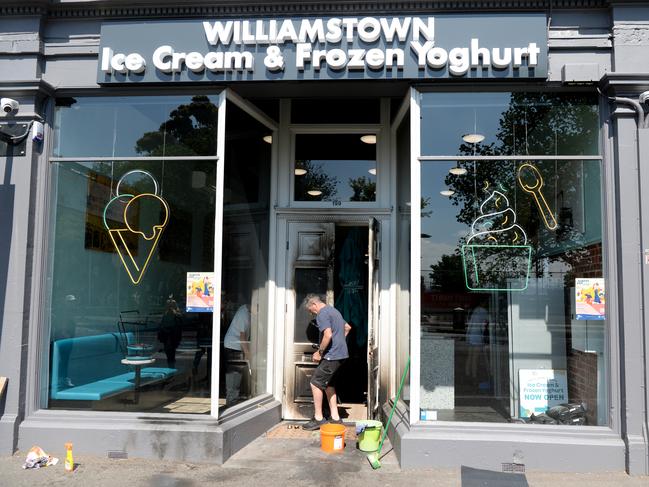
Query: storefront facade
x,y
463,183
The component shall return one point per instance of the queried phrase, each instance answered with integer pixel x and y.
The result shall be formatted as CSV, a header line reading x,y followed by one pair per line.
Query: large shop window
x,y
131,273
513,296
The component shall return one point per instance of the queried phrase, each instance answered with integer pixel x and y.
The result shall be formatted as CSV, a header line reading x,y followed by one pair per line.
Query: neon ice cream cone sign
x,y
136,258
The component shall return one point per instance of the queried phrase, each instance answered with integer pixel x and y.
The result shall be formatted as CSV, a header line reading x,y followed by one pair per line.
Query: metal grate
x,y
117,454
514,467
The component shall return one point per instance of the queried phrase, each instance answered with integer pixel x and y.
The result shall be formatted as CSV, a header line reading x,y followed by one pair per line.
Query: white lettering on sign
x,y
168,61
367,29
338,43
461,59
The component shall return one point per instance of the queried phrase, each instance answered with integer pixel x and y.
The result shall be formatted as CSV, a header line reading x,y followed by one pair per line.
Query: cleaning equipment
x,y
69,461
369,434
332,437
375,458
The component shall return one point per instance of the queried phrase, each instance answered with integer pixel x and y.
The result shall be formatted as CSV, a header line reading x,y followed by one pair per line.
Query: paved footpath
x,y
282,462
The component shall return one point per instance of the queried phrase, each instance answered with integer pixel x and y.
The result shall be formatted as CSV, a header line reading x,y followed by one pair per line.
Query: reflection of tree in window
x,y
364,189
534,123
447,274
543,124
190,130
314,179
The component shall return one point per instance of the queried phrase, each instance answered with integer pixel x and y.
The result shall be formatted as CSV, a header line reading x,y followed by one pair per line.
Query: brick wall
x,y
582,381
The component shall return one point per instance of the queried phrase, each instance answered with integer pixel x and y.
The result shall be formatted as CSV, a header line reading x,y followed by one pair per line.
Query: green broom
x,y
375,457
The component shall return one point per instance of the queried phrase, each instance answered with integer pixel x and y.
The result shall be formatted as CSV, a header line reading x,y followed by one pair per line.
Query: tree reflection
x,y
535,124
190,130
314,179
363,188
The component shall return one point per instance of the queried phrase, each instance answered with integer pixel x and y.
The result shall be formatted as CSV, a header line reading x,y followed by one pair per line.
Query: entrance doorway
x,y
336,261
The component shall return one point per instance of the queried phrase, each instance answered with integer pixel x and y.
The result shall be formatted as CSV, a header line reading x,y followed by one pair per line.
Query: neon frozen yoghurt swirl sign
x,y
496,256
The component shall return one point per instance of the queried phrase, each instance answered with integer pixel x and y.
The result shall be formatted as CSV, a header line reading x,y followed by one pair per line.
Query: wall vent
x,y
118,454
514,467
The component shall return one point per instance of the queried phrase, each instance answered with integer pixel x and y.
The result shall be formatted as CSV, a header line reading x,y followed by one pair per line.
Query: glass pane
x,y
244,328
125,236
335,167
509,124
512,307
323,110
403,252
307,281
136,126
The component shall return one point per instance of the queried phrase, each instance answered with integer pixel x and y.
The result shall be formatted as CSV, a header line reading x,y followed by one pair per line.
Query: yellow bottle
x,y
69,461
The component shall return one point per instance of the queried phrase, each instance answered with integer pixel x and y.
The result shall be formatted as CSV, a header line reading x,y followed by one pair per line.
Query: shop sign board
x,y
541,389
324,48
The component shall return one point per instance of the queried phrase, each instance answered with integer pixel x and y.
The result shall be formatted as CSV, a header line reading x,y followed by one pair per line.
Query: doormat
x,y
293,430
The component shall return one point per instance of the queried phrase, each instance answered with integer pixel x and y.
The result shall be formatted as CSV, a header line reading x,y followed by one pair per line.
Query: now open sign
x,y
540,389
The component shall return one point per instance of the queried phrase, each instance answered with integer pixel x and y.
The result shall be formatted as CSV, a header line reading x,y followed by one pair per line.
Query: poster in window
x,y
590,301
540,389
200,292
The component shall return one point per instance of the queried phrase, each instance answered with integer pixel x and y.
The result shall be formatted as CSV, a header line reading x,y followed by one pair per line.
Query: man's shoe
x,y
313,424
336,421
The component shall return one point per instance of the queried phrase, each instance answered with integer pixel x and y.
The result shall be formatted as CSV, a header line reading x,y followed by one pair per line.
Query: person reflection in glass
x,y
477,333
237,353
170,331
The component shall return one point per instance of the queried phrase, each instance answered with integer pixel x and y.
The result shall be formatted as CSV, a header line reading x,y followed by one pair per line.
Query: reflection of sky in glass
x,y
109,127
512,123
442,225
452,116
342,171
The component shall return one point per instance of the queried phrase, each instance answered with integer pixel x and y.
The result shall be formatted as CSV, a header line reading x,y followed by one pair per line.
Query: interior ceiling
x,y
322,89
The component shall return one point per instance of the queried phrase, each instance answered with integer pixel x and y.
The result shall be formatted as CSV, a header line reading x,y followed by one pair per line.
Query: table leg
x,y
138,378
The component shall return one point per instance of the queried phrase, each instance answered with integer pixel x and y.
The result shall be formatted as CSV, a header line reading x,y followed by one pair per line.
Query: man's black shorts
x,y
325,373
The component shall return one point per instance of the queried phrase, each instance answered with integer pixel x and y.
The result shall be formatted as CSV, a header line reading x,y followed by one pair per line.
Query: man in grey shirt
x,y
332,352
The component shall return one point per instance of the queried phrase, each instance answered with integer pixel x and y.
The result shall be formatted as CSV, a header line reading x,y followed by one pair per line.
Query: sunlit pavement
x,y
284,462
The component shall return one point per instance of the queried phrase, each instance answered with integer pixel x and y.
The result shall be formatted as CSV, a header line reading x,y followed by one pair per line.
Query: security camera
x,y
644,97
9,106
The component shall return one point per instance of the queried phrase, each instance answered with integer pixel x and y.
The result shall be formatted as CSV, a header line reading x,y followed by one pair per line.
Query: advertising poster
x,y
540,389
200,292
590,299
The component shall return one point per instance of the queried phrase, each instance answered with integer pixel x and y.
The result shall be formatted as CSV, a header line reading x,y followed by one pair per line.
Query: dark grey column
x,y
630,156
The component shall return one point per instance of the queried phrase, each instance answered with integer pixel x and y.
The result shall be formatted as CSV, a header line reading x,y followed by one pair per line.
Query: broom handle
x,y
396,400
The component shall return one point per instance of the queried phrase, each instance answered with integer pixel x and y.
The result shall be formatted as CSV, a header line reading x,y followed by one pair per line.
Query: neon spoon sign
x,y
531,181
149,237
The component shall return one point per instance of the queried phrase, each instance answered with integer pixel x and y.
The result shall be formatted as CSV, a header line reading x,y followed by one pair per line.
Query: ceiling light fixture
x,y
369,139
299,171
372,171
473,138
314,192
458,171
447,192
268,139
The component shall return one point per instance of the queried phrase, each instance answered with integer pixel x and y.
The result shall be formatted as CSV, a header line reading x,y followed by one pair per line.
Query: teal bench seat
x,y
90,368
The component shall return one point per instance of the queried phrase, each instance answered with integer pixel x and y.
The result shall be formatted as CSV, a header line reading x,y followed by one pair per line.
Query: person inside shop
x,y
477,333
170,331
332,352
237,353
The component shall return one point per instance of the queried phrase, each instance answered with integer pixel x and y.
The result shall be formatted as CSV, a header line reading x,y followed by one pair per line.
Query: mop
x,y
375,457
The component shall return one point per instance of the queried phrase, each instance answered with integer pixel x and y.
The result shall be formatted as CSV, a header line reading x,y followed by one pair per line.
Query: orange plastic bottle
x,y
69,461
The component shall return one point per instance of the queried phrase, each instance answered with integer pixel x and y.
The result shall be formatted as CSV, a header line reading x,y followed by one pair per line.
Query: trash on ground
x,y
37,458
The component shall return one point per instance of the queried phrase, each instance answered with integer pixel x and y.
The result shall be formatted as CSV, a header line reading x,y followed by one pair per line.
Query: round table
x,y
138,373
